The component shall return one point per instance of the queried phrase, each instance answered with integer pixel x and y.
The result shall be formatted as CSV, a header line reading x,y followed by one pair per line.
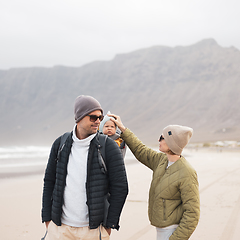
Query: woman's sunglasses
x,y
161,138
94,118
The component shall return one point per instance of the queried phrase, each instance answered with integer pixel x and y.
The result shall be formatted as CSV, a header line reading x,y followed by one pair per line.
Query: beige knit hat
x,y
177,137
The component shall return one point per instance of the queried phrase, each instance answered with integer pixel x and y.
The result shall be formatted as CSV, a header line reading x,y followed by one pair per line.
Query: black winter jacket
x,y
98,184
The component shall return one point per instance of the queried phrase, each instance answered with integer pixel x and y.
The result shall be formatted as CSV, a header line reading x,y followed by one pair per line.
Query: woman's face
x,y
163,147
109,128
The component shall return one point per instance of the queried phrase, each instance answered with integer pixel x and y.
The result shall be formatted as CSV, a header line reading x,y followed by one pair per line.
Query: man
x,y
76,187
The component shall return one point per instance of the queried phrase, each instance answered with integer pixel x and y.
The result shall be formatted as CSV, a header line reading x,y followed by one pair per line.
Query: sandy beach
x,y
219,179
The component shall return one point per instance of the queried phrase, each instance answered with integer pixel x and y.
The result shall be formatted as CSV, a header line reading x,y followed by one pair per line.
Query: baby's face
x,y
109,128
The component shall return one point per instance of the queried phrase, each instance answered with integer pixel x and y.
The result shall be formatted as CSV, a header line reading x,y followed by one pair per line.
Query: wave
x,y
24,152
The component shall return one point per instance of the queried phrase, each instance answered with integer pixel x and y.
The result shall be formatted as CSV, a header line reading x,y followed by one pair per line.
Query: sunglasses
x,y
94,118
161,138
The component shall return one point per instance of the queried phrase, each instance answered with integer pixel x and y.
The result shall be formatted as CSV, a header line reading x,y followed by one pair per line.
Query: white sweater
x,y
75,210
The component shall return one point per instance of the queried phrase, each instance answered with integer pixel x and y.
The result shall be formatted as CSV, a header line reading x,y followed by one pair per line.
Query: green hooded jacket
x,y
174,193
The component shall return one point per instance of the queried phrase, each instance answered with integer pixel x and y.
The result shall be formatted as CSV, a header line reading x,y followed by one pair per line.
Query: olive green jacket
x,y
174,194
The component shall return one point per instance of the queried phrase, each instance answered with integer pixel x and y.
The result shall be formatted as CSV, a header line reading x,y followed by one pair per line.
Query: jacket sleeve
x,y
118,185
144,154
191,208
49,182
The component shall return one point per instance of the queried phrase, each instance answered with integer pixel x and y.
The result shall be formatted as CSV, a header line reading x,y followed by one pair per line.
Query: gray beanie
x,y
177,137
85,105
105,119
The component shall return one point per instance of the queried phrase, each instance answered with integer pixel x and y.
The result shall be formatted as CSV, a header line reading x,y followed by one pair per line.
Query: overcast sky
x,y
75,32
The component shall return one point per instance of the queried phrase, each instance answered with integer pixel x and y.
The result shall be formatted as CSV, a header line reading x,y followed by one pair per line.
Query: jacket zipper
x,y
164,210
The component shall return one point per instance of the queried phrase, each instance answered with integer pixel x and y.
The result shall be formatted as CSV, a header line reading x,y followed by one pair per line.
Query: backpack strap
x,y
122,145
62,144
101,152
101,149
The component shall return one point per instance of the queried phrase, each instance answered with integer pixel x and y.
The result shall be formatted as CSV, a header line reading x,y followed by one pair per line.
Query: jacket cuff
x,y
125,134
113,226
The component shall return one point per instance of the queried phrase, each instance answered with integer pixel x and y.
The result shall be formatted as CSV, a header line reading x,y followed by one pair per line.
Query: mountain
x,y
196,86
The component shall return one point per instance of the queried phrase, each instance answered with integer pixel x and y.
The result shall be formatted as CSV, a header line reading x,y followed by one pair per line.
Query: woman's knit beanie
x,y
85,105
177,137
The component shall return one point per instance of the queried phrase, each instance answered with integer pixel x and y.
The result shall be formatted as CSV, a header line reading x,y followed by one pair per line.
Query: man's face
x,y
85,127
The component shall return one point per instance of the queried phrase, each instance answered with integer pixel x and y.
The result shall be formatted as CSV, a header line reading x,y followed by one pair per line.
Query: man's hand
x,y
47,223
117,120
108,231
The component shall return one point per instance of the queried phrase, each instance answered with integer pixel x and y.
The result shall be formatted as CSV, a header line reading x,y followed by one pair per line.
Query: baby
x,y
109,128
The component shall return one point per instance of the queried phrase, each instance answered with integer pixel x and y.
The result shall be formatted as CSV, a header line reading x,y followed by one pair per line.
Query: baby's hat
x,y
105,119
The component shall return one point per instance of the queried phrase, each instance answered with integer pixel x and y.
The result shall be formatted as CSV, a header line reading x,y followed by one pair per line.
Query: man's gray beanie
x,y
85,105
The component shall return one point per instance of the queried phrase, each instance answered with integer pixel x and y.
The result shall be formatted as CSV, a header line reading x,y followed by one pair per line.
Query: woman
x,y
174,205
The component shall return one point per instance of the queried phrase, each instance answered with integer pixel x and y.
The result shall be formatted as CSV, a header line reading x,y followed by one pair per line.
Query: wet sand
x,y
219,179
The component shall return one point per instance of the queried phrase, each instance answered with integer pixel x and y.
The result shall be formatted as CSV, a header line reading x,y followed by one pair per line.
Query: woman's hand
x,y
117,120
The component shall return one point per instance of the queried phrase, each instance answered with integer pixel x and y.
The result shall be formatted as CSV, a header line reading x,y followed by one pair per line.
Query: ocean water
x,y
17,157
23,156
